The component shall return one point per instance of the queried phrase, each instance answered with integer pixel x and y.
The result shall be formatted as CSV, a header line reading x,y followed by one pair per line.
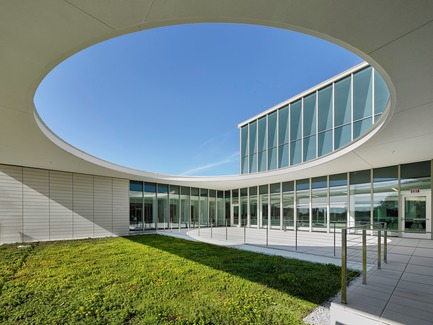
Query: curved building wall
x,y
315,123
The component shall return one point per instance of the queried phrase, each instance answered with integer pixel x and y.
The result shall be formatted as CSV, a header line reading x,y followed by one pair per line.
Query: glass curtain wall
x,y
385,198
283,137
235,204
174,206
244,149
253,206
381,95
227,198
296,133
275,204
195,203
303,203
244,206
272,141
204,216
262,158
150,206
253,146
135,206
342,112
319,202
264,205
325,121
163,218
220,208
338,200
185,206
212,208
309,130
288,205
360,198
362,101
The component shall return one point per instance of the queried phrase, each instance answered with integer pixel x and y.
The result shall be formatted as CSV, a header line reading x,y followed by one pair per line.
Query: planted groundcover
x,y
154,279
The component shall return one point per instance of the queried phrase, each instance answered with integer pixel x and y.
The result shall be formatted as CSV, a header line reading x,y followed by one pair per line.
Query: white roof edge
x,y
307,92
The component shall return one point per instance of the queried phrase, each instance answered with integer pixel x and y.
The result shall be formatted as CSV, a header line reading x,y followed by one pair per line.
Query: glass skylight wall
x,y
321,121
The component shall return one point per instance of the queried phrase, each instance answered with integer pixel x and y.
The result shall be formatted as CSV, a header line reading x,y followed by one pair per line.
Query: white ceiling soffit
x,y
392,35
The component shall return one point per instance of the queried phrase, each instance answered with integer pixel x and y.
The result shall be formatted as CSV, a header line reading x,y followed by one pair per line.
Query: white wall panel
x,y
103,198
83,206
11,204
61,210
36,204
120,207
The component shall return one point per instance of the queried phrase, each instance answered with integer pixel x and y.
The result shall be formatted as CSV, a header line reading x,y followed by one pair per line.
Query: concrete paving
x,y
401,292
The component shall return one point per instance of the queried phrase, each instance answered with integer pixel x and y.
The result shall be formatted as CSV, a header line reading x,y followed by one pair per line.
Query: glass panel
x,y
360,127
272,130
303,202
362,94
253,163
204,215
415,176
325,143
244,165
220,209
275,204
385,198
136,208
262,133
136,186
288,204
325,109
360,198
415,214
338,200
295,121
310,115
174,206
342,114
244,206
185,208
272,158
295,152
212,209
319,200
310,148
163,217
283,156
381,94
342,136
150,207
244,141
283,123
264,204
262,161
227,207
235,202
194,207
253,137
253,206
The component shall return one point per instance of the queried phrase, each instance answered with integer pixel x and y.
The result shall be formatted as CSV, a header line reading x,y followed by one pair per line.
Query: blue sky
x,y
168,100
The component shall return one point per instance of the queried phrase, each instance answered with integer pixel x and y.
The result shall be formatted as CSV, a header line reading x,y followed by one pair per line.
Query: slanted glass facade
x,y
314,124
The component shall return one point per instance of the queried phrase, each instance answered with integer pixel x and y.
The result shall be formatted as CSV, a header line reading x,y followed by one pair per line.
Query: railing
x,y
381,227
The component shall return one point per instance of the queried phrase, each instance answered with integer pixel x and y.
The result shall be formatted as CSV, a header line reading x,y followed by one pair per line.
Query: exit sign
x,y
415,190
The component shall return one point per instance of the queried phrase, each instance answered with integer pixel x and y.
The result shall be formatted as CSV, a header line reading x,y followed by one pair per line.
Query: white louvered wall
x,y
11,204
41,205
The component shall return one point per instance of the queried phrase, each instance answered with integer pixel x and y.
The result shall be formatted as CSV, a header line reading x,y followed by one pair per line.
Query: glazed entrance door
x,y
416,222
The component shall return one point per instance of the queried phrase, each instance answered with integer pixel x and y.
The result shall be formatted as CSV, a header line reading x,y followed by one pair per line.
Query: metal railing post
x,y
385,243
226,229
364,256
334,239
296,235
267,235
245,232
379,247
344,266
211,234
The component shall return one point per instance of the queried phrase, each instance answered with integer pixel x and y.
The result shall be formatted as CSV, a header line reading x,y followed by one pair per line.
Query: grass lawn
x,y
154,279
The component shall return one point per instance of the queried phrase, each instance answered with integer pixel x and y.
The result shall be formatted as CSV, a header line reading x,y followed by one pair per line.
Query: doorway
x,y
416,215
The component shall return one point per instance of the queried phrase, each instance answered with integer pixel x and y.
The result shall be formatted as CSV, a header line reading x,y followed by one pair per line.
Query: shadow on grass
x,y
309,281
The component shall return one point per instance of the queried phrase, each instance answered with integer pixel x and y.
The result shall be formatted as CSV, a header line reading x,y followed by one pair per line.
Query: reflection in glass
x,y
319,202
194,206
263,196
220,208
244,206
275,204
381,94
163,218
360,198
342,136
362,94
253,206
342,105
309,148
184,204
338,200
325,142
310,115
150,206
325,109
385,198
174,206
288,204
235,203
415,213
303,202
296,152
361,126
135,206
295,121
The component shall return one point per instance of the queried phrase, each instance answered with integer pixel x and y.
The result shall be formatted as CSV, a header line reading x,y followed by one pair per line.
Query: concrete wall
x,y
42,205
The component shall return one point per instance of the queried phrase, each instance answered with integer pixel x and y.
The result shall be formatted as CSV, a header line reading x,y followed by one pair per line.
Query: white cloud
x,y
227,160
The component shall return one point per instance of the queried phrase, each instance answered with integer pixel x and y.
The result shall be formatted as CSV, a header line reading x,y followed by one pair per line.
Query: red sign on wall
x,y
415,190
